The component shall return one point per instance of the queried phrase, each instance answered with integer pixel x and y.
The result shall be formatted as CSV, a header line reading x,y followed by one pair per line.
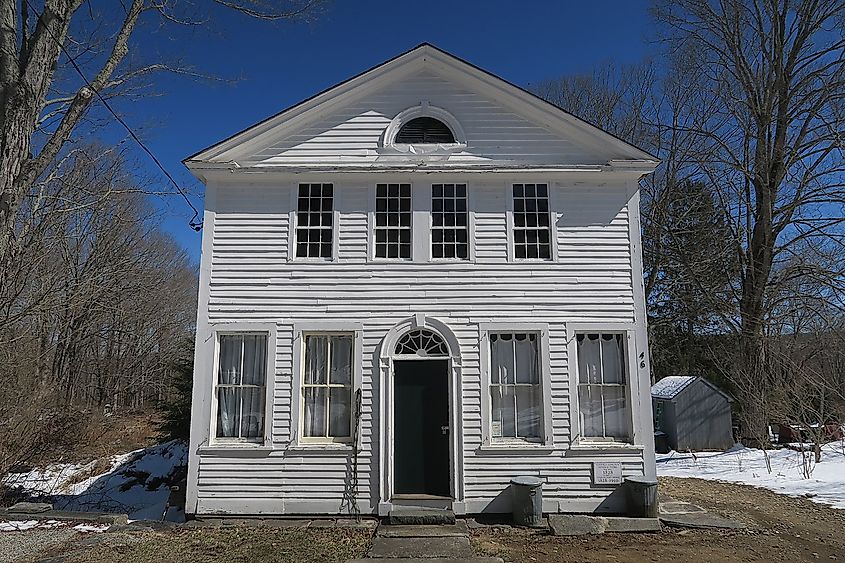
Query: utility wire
x,y
194,223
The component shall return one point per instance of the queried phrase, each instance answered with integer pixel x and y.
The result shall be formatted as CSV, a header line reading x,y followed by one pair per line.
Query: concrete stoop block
x,y
581,525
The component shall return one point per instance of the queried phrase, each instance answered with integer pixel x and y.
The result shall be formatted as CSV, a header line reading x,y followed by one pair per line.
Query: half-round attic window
x,y
424,131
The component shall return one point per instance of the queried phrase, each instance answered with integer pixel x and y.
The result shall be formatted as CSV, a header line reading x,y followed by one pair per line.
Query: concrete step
x,y
416,515
454,547
459,529
428,560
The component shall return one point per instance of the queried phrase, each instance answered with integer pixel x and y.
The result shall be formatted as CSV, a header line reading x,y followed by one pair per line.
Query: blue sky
x,y
277,65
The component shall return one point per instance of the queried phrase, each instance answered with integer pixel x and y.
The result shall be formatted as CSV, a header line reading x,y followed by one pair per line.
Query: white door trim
x,y
386,401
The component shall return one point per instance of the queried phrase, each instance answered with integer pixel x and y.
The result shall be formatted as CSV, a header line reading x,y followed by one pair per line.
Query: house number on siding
x,y
607,472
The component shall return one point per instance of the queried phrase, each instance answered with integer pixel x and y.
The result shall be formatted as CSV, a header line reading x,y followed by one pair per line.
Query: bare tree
x,y
775,143
40,107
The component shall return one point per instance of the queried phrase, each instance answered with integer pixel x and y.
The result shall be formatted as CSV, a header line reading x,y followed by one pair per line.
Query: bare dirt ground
x,y
780,528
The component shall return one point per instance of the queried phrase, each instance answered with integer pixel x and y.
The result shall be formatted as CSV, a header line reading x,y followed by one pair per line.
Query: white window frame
x,y
327,328
246,329
490,443
293,222
631,384
470,222
553,219
372,228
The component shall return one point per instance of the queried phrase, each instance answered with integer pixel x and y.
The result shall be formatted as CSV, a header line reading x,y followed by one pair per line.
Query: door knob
x,y
444,430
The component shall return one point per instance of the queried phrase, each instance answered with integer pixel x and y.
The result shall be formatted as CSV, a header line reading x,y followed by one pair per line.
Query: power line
x,y
194,223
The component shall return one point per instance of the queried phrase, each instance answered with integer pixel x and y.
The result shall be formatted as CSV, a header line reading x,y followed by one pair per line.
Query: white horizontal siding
x,y
590,282
351,133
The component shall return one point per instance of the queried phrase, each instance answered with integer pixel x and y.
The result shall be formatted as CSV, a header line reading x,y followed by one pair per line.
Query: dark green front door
x,y
421,427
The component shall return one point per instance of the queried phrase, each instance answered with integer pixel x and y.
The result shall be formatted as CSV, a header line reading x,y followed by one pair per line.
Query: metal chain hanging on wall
x,y
350,493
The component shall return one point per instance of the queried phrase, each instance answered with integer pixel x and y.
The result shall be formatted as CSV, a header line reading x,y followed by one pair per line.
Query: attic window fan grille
x,y
424,130
421,342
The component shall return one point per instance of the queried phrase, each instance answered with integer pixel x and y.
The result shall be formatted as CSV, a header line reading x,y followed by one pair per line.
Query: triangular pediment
x,y
349,125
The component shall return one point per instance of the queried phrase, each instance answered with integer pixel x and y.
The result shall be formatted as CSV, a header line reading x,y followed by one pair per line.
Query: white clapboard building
x,y
415,286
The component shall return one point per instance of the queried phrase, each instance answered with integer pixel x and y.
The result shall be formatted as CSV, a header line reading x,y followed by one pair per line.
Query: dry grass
x,y
229,545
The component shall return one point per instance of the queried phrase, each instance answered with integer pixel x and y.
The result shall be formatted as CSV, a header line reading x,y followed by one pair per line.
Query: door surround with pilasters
x,y
386,357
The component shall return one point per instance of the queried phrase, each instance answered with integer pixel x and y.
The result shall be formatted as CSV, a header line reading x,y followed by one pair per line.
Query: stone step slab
x,y
424,548
420,516
459,529
428,560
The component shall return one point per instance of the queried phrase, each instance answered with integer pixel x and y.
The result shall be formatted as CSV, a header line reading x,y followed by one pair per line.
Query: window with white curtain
x,y
515,389
602,397
327,387
240,388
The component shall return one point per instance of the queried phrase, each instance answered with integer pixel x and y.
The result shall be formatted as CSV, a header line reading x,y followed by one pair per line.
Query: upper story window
x,y
425,130
393,221
531,221
314,221
449,231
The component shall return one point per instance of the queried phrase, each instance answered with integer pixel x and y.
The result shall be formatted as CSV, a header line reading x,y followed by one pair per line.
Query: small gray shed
x,y
693,413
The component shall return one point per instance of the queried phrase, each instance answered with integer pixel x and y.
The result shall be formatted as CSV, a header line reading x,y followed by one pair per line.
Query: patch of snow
x,y
669,387
134,482
747,466
91,527
17,525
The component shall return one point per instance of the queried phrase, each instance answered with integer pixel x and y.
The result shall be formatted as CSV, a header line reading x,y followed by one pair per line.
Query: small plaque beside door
x,y
607,472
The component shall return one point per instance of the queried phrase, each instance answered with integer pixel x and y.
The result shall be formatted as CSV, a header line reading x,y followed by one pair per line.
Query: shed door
x,y
421,427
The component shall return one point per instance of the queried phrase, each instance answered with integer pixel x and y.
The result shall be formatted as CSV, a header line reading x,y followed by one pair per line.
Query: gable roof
x,y
423,54
673,385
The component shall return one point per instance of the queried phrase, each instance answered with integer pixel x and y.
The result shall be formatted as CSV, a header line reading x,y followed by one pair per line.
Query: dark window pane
x,y
518,190
381,190
327,219
543,219
461,190
405,250
437,235
532,251
405,236
437,205
381,236
301,250
326,250
381,205
545,251
437,219
462,219
463,251
405,190
542,190
529,190
450,251
437,190
313,249
519,251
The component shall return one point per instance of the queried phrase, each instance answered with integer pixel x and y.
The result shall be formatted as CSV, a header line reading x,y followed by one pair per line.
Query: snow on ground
x,y
747,466
134,483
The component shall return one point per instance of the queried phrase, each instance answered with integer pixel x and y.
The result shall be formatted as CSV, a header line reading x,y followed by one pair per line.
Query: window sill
x,y
505,448
236,450
587,446
317,449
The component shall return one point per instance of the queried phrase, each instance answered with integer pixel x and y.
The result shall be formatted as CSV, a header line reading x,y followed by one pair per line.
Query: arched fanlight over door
x,y
421,342
424,131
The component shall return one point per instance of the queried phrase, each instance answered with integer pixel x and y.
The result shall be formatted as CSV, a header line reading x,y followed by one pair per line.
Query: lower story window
x,y
327,387
515,392
240,388
602,394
